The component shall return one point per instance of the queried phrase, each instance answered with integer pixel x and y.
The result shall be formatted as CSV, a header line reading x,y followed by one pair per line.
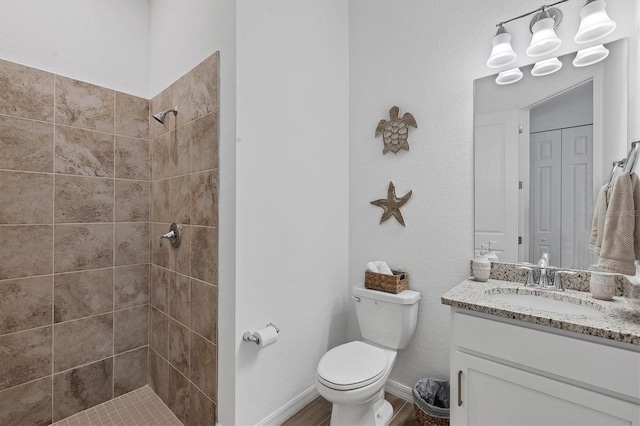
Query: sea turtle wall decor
x,y
391,205
395,132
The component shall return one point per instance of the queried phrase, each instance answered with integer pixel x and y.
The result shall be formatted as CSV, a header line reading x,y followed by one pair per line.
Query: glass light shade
x,y
546,67
509,76
544,38
502,53
594,22
590,56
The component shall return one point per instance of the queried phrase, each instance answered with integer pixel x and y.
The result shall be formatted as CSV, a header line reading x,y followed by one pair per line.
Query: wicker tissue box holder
x,y
395,283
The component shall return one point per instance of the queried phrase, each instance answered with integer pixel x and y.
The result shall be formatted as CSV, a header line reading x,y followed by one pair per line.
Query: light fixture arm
x,y
540,9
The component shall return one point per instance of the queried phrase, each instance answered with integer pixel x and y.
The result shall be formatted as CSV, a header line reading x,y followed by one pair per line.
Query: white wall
x,y
104,42
423,56
292,195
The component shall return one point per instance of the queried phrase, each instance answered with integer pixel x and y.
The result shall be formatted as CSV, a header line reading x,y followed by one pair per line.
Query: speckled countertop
x,y
617,319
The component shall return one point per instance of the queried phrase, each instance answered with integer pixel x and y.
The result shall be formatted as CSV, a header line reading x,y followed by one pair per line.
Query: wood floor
x,y
318,413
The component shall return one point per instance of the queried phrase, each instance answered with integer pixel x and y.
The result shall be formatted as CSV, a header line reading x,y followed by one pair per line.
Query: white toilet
x,y
352,376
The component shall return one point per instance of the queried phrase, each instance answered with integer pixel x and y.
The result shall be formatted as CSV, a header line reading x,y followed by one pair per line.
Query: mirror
x,y
543,147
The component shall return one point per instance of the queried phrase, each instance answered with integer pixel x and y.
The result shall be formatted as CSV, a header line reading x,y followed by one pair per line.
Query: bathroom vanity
x,y
521,356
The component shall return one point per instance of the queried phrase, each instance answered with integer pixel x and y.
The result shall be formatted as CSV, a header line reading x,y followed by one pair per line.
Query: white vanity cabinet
x,y
504,372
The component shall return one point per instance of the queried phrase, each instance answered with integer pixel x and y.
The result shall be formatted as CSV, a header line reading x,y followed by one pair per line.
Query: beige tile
x,y
25,356
203,365
25,92
180,153
82,388
82,341
159,375
131,201
83,152
132,116
161,102
131,286
132,243
161,280
81,294
85,105
160,249
26,198
179,347
130,329
312,414
83,200
28,404
26,145
159,333
179,298
161,165
177,259
202,411
197,91
132,158
25,303
204,198
130,371
179,395
203,134
204,309
26,251
82,247
204,250
160,201
180,199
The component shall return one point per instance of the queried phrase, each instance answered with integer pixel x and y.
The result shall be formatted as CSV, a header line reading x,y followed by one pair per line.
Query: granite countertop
x,y
617,319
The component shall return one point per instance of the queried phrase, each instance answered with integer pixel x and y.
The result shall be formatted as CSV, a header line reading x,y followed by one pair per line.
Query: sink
x,y
541,303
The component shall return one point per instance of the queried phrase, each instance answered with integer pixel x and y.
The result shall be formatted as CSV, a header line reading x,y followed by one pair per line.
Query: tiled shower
x,y
91,307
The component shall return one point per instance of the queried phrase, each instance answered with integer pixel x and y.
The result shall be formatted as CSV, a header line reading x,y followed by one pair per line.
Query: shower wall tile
x,y
83,152
159,332
180,153
159,375
130,371
84,105
197,91
161,280
160,251
204,198
180,299
204,309
25,356
131,285
204,249
82,294
160,201
131,201
203,364
203,136
26,198
25,251
179,347
26,145
28,404
132,243
25,303
161,164
162,101
180,199
82,388
82,247
83,199
202,410
132,158
130,329
94,335
25,92
179,395
176,259
132,116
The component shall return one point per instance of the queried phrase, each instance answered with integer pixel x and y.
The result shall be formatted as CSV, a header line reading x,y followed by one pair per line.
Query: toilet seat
x,y
352,366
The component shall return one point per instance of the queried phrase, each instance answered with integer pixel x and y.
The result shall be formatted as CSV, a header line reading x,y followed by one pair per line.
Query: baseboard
x,y
399,390
290,408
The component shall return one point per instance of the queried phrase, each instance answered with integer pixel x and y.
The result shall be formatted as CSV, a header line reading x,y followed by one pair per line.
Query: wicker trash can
x,y
431,402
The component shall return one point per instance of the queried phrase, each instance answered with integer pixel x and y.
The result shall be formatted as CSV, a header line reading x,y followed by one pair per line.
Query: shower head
x,y
160,116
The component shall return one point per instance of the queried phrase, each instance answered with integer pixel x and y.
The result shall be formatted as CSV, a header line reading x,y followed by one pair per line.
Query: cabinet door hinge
x,y
519,184
520,129
519,240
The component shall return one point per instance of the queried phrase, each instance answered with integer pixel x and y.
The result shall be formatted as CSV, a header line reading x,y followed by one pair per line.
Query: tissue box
x,y
395,283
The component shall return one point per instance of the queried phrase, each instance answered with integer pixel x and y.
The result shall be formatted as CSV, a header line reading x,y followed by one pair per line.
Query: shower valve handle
x,y
174,236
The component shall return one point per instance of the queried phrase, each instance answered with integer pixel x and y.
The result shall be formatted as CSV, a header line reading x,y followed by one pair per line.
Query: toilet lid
x,y
351,366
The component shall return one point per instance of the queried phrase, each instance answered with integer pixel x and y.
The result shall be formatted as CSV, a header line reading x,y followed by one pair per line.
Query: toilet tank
x,y
387,319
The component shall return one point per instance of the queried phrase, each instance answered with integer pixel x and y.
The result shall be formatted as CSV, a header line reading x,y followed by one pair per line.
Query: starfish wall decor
x,y
395,132
391,205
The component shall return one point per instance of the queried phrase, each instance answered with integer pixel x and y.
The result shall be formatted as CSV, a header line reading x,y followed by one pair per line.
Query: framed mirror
x,y
543,147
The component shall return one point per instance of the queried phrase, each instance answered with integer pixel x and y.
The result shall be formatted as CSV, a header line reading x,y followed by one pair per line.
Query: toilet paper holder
x,y
255,338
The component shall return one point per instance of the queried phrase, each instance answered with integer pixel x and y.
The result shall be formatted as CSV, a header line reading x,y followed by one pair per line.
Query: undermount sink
x,y
542,303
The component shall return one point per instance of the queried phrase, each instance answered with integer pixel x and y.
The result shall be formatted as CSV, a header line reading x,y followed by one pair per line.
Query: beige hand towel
x,y
621,236
597,224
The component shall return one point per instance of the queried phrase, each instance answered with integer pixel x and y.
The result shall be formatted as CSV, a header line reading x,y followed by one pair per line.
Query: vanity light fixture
x,y
594,22
590,56
509,76
544,38
502,53
546,67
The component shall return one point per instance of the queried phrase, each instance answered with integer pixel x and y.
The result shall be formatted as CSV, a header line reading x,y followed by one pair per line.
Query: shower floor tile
x,y
142,407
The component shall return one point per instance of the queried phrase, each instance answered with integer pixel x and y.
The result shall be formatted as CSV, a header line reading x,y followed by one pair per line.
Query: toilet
x,y
352,376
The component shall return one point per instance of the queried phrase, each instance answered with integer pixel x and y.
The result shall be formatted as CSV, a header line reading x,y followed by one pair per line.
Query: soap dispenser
x,y
481,266
491,254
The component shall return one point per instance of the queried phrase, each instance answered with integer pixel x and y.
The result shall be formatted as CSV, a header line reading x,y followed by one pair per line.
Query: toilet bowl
x,y
352,376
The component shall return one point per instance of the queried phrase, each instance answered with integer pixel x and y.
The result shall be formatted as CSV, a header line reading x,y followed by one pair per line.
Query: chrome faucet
x,y
557,279
542,264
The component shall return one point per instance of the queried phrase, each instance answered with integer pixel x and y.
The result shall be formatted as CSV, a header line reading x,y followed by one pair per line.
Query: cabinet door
x,y
496,394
